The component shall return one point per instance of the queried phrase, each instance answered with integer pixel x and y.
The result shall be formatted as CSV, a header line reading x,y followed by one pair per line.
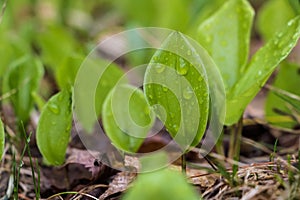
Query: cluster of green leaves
x,y
279,105
228,45
223,29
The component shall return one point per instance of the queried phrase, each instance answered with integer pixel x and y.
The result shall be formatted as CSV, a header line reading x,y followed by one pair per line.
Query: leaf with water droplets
x,y
226,36
127,117
54,127
2,138
259,69
269,23
179,93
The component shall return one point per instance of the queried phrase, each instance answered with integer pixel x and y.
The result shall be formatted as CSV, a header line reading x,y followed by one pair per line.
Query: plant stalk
x,y
235,140
183,163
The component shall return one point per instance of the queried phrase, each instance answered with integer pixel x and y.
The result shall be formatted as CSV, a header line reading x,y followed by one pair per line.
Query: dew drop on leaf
x,y
159,68
172,115
165,89
54,108
175,127
182,68
187,93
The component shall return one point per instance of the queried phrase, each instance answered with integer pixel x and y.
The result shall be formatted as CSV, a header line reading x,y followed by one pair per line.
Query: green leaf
x,y
269,23
173,14
259,69
2,138
176,86
56,44
127,117
13,47
295,4
54,126
66,73
226,35
99,76
172,185
276,100
23,76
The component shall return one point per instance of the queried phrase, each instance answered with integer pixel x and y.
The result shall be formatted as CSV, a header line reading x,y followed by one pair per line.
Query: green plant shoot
x,y
172,185
176,86
23,77
228,44
102,77
127,117
54,127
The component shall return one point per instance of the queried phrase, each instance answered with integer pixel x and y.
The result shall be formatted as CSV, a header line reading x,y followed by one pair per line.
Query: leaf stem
x,y
183,163
235,140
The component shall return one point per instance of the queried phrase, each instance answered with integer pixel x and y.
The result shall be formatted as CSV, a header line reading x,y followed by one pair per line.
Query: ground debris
x,y
257,181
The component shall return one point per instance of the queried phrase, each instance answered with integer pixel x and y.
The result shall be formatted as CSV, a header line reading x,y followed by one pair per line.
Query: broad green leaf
x,y
54,126
94,80
173,14
295,4
259,69
23,76
127,117
13,47
268,22
287,79
172,185
176,86
2,138
206,8
66,72
226,35
56,44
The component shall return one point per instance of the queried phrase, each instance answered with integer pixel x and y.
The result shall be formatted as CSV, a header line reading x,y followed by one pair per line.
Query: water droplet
x,y
165,89
150,96
224,43
104,83
290,23
172,115
189,52
259,73
69,127
200,78
54,108
146,111
183,67
187,93
155,58
175,127
159,68
208,39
